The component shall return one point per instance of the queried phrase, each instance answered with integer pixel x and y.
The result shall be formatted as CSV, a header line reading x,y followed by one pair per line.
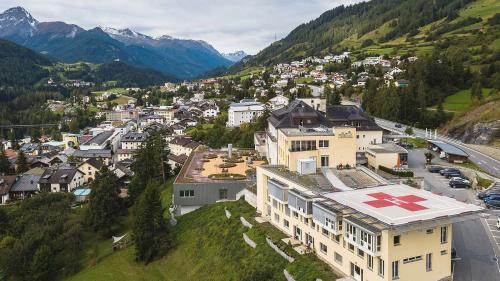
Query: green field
x,y
208,246
416,142
303,80
461,101
113,90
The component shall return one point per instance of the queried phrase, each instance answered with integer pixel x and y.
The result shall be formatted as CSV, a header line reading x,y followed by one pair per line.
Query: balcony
x,y
327,217
300,202
278,190
362,235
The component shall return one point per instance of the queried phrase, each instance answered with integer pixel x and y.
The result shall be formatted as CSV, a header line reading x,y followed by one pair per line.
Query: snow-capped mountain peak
x,y
17,21
236,56
114,32
164,37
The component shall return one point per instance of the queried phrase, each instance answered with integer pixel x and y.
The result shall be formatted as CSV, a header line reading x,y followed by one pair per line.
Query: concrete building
x,y
133,140
244,112
360,225
389,155
90,168
100,141
122,115
182,145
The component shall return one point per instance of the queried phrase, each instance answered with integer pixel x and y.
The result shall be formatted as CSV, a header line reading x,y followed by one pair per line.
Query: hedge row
x,y
406,174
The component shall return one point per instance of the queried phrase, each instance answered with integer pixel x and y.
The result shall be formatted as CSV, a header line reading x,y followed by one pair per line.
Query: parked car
x,y
453,174
492,197
448,170
459,183
398,125
486,193
493,204
434,168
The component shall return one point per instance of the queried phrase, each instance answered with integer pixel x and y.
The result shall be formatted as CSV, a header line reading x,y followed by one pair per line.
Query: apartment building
x,y
360,225
244,112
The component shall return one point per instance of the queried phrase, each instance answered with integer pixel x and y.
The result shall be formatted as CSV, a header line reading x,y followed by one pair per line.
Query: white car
x,y
460,179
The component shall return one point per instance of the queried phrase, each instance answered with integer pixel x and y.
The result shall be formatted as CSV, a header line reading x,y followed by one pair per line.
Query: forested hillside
x,y
387,27
19,65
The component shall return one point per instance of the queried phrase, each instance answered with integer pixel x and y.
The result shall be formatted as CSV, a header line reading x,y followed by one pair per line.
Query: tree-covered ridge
x,y
19,65
334,28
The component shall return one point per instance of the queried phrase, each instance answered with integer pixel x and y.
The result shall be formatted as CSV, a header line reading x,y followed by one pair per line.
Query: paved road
x,y
486,162
472,239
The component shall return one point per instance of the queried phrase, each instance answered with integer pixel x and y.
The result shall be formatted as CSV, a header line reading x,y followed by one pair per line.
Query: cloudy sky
x,y
229,25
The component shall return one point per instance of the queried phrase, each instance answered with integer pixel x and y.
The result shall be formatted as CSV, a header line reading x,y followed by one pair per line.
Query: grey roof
x,y
58,175
100,138
291,115
134,137
92,153
448,148
26,183
341,115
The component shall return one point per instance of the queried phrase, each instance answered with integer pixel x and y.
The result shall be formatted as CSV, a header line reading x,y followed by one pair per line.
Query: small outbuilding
x,y
448,152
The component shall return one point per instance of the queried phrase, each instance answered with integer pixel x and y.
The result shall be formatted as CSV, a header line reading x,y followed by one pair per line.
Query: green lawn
x,y
304,80
461,101
417,142
113,90
208,246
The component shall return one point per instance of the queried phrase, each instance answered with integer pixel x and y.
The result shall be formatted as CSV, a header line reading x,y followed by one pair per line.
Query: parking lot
x,y
477,241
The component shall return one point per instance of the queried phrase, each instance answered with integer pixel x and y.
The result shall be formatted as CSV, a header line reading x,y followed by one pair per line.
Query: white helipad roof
x,y
401,204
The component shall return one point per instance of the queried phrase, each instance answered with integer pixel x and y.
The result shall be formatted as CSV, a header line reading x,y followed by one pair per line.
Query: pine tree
x,y
149,230
105,204
22,163
477,91
4,162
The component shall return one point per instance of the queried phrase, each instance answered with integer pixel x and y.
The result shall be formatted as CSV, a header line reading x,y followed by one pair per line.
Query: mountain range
x,y
184,59
236,56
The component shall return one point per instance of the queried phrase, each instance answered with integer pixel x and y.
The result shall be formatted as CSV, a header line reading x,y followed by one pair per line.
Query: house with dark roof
x,y
61,179
182,145
90,168
25,186
102,154
367,130
6,183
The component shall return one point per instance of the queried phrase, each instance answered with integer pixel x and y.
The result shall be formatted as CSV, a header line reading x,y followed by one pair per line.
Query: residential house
x,y
61,179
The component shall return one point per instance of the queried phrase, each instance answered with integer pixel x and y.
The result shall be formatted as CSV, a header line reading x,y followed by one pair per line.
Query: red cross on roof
x,y
407,202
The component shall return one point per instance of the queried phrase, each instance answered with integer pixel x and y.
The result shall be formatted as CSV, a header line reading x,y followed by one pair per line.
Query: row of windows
x,y
186,193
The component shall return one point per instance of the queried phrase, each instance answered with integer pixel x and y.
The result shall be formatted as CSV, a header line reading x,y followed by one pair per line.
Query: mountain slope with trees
x,y
386,27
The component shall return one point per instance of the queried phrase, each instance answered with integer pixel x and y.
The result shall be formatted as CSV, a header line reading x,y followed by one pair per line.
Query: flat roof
x,y
387,148
448,148
400,204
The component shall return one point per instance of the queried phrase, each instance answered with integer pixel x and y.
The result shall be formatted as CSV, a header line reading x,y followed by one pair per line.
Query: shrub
x,y
227,176
210,156
406,174
227,165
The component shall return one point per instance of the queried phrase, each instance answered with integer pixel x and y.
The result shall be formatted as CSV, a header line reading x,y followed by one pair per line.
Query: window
x,y
444,234
186,193
295,214
337,238
276,217
325,231
222,194
275,203
397,240
323,248
361,254
351,247
286,223
429,231
330,223
412,259
444,252
338,258
324,143
381,267
369,261
395,270
428,262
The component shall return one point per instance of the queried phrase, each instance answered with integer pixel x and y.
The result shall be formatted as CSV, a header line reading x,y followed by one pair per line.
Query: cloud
x,y
228,25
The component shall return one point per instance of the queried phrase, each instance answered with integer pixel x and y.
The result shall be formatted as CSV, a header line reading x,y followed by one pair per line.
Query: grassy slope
x,y
208,247
462,101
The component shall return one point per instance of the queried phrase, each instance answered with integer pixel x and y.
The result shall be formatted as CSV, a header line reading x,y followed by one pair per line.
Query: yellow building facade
x,y
355,241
